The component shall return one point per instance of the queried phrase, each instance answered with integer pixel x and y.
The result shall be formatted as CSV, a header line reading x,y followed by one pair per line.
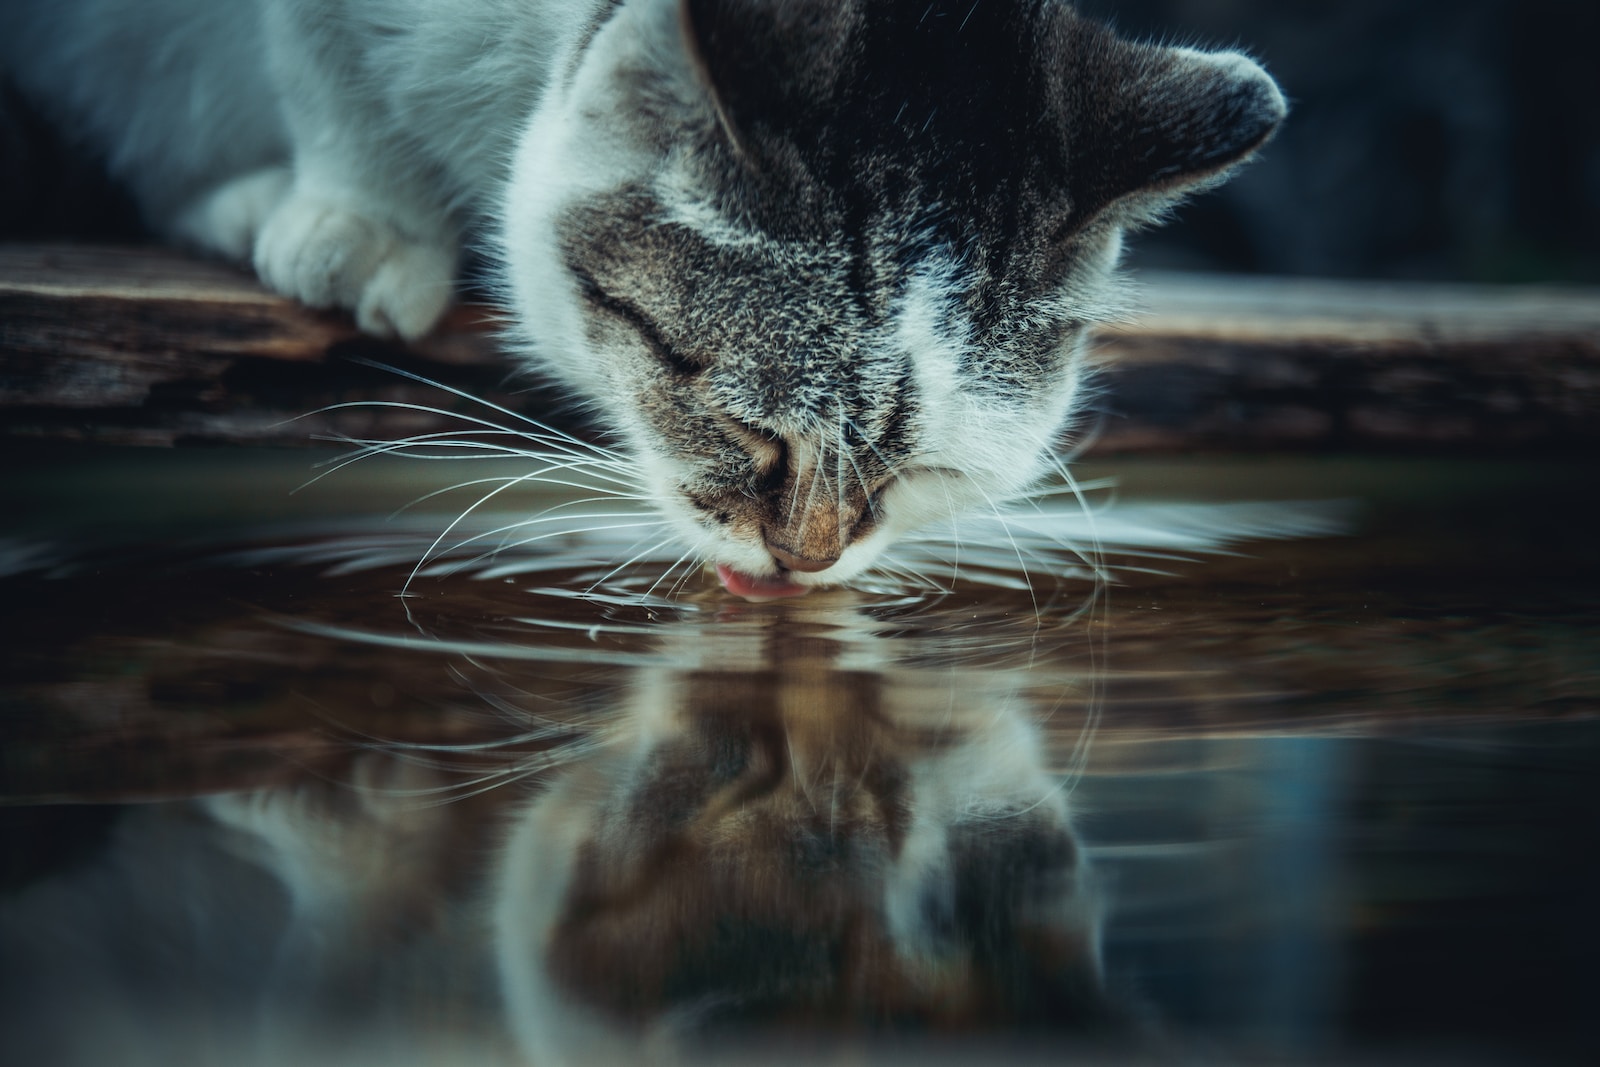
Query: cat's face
x,y
827,265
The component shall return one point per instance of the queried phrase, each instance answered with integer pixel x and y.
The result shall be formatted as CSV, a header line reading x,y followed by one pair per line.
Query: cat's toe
x,y
408,292
325,255
318,253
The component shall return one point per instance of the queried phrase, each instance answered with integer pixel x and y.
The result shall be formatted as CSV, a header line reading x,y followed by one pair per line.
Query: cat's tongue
x,y
757,587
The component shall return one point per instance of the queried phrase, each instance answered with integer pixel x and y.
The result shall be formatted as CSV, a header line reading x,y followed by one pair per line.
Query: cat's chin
x,y
758,587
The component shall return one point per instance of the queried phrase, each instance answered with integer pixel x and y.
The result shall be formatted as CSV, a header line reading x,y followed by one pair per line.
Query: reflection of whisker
x,y
623,600
527,737
663,577
517,715
615,629
455,792
488,650
436,756
1099,637
796,767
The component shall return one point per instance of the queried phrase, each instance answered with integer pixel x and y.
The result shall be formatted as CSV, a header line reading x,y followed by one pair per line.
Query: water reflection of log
x,y
136,345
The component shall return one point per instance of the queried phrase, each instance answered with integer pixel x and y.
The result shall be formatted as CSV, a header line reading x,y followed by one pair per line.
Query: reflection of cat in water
x,y
759,859
806,865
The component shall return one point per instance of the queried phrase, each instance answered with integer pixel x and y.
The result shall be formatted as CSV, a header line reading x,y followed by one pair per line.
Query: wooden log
x,y
1230,362
149,346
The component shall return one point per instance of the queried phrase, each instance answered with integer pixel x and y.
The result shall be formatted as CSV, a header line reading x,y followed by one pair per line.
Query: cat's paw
x,y
227,220
408,292
325,255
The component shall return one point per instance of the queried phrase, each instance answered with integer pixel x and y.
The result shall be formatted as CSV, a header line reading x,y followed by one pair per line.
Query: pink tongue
x,y
754,587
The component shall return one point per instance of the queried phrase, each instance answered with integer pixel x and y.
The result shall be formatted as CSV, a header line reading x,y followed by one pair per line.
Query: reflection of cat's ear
x,y
1148,124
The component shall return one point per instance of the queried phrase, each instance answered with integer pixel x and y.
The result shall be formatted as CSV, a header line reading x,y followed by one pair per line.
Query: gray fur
x,y
825,265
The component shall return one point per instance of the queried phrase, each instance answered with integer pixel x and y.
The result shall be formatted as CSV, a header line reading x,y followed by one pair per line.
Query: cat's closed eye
x,y
670,356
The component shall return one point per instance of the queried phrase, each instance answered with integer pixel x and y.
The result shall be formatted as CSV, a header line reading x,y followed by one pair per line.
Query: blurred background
x,y
1429,139
1453,140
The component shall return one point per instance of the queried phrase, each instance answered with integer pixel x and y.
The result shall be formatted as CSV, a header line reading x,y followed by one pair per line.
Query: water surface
x,y
1277,760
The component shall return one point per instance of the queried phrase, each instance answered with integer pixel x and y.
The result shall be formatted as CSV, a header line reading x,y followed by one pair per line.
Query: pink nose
x,y
805,564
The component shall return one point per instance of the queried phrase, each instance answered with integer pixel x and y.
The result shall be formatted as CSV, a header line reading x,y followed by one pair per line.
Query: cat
x,y
825,267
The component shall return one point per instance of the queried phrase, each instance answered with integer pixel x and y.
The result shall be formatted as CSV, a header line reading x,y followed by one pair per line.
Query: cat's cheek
x,y
860,557
924,499
712,538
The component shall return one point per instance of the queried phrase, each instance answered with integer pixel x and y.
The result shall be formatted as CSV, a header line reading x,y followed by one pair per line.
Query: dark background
x,y
1428,139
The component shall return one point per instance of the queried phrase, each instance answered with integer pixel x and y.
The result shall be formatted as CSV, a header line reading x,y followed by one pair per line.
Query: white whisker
x,y
455,567
536,424
674,565
625,564
562,443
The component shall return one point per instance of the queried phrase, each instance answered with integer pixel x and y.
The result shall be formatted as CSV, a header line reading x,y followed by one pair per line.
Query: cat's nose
x,y
789,561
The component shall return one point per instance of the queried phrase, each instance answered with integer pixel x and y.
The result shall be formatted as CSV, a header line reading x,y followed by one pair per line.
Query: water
x,y
1306,778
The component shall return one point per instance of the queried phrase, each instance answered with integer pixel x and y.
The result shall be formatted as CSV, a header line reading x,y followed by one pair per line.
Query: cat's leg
x,y
334,844
365,224
362,863
228,219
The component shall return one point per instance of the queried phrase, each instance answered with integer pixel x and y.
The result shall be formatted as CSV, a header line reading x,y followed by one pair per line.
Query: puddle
x,y
1241,760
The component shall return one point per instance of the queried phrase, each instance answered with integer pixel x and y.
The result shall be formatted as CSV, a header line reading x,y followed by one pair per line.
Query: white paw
x,y
227,219
325,255
408,292
380,789
327,840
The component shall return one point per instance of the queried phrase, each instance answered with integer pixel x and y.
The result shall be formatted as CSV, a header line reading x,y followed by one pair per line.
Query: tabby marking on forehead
x,y
686,204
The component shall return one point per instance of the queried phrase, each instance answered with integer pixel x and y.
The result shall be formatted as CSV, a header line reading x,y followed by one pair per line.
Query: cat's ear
x,y
756,58
1145,125
699,28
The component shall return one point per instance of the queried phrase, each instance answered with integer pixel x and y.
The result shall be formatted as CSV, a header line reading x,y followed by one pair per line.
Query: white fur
x,y
350,148
228,219
393,119
569,151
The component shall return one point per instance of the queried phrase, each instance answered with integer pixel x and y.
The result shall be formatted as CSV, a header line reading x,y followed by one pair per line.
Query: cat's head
x,y
827,265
